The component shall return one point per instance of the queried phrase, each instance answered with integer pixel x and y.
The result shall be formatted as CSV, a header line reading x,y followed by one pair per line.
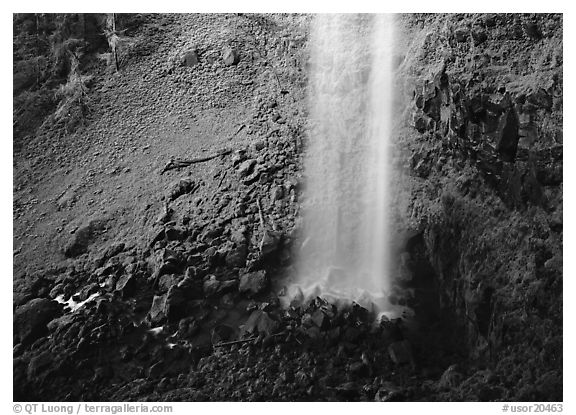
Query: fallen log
x,y
178,164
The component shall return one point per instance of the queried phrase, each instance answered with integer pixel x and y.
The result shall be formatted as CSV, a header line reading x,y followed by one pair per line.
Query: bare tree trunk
x,y
37,49
112,37
114,46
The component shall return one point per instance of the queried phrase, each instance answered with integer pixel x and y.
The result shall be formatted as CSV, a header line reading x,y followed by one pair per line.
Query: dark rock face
x,y
30,319
490,142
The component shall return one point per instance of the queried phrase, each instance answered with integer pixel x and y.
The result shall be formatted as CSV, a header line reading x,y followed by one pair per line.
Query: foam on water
x,y
73,305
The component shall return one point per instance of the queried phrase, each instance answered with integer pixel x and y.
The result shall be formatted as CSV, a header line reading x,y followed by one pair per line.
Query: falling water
x,y
344,255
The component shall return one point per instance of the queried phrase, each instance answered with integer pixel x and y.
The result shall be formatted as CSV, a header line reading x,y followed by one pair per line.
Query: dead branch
x,y
178,164
245,340
260,214
235,342
222,178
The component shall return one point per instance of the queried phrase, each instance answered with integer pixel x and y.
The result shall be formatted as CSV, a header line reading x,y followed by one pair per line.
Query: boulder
x,y
190,58
83,237
230,56
126,284
179,188
175,233
191,287
221,333
175,303
211,286
31,319
259,322
157,311
111,251
246,167
277,193
166,281
270,243
236,257
320,319
253,283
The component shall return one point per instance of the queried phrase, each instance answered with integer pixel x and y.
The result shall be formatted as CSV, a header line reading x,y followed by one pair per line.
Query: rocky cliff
x,y
154,240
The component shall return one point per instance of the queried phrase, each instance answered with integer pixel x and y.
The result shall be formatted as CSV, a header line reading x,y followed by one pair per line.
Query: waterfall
x,y
344,254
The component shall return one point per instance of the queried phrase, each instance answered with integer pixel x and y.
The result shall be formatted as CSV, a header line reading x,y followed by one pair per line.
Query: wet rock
x,y
31,319
421,122
188,327
170,263
260,322
157,311
230,56
126,284
228,286
221,333
270,243
400,352
253,283
88,290
236,257
175,303
211,286
192,287
320,319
